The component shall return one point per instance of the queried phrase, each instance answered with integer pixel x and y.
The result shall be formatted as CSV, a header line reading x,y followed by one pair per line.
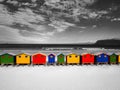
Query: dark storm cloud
x,y
104,4
21,26
80,12
14,5
112,6
109,19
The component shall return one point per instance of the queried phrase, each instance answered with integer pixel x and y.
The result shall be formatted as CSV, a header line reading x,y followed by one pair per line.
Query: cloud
x,y
52,1
52,19
60,25
75,7
27,33
85,2
5,17
89,1
8,34
23,16
83,27
94,26
115,19
12,2
1,0
75,10
28,22
93,15
26,17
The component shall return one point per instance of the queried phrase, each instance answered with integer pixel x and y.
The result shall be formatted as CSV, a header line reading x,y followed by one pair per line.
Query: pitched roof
x,y
22,54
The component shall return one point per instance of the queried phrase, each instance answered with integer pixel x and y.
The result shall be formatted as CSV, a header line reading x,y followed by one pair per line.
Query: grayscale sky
x,y
59,21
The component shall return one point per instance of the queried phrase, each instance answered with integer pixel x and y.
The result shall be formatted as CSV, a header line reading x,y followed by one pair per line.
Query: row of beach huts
x,y
60,59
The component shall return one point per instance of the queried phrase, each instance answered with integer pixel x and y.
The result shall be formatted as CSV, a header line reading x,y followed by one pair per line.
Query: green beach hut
x,y
60,59
113,58
6,59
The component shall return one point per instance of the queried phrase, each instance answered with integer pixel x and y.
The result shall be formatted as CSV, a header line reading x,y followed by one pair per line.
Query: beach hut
x,y
60,59
7,59
39,58
88,59
22,59
51,59
73,59
102,58
119,58
113,58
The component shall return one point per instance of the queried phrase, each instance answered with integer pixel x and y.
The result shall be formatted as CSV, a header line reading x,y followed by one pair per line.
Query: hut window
x,y
42,56
91,56
76,56
105,56
70,56
26,56
99,56
9,56
113,56
19,56
60,56
2,56
51,56
35,56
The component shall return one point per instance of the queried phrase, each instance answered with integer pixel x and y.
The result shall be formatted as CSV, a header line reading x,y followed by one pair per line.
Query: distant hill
x,y
108,42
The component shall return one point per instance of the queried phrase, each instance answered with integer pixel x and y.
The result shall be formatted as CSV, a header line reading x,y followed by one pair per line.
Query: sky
x,y
59,21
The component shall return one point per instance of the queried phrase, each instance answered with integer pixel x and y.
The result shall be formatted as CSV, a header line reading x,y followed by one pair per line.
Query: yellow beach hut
x,y
22,59
119,58
73,59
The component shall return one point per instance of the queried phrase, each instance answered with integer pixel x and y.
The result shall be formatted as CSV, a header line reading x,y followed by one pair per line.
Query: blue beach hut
x,y
102,58
51,59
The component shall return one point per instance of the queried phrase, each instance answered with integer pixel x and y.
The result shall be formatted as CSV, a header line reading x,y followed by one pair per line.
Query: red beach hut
x,y
87,59
39,58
